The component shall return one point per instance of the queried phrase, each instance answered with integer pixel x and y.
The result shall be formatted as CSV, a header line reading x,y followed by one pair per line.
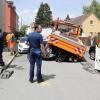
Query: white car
x,y
22,46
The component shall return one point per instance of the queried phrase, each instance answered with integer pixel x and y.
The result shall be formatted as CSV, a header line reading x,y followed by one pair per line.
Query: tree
x,y
67,18
23,29
44,15
17,34
94,8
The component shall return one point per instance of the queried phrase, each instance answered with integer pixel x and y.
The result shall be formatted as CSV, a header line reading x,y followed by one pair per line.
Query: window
x,y
91,22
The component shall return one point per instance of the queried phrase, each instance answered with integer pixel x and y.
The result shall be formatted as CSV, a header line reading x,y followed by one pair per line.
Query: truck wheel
x,y
75,59
70,59
61,58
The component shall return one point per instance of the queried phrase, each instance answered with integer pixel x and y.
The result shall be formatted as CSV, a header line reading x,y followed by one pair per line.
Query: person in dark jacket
x,y
2,39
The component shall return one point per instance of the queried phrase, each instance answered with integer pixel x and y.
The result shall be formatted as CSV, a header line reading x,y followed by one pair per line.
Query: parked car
x,y
22,46
92,52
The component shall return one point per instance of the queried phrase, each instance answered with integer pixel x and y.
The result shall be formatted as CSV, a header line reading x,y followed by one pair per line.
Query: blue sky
x,y
27,9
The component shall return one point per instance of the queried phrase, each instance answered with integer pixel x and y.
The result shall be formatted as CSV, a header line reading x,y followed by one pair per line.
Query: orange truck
x,y
64,42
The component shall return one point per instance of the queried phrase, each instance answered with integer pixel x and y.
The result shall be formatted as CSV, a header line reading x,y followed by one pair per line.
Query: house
x,y
89,22
11,17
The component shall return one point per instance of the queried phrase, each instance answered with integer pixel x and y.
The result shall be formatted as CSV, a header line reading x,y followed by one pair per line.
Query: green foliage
x,y
17,34
23,30
94,8
44,15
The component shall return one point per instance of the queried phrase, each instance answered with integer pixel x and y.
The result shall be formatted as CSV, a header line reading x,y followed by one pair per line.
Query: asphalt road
x,y
63,81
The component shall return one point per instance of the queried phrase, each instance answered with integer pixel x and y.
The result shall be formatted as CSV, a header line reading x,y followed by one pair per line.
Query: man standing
x,y
36,47
2,39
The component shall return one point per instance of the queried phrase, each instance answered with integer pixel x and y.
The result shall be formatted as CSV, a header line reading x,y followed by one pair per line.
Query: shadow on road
x,y
48,77
90,68
49,59
16,67
65,60
6,74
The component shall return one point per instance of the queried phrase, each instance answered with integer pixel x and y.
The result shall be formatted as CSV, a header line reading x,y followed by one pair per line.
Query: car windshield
x,y
23,39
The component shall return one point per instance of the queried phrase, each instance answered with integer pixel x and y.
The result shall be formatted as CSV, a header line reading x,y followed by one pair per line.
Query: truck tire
x,y
75,59
70,59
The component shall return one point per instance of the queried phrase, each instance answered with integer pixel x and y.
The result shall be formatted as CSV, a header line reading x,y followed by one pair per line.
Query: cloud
x,y
26,11
72,15
35,11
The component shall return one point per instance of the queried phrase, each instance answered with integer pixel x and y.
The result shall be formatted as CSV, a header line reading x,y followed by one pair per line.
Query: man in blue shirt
x,y
36,47
2,39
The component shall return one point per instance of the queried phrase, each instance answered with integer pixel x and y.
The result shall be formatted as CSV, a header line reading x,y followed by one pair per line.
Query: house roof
x,y
79,20
61,21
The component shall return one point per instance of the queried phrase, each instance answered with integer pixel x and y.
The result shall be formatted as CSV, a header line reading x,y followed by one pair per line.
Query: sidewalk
x,y
6,55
